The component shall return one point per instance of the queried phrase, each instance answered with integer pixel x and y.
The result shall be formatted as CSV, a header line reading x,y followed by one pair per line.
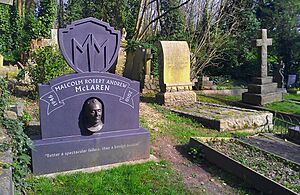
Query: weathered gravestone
x,y
89,118
9,2
262,90
7,71
291,80
138,67
174,74
279,75
1,60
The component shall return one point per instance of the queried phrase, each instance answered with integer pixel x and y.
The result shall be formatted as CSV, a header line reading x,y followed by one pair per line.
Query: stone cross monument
x,y
262,45
262,90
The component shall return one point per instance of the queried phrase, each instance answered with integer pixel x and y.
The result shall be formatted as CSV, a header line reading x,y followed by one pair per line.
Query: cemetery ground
x,y
290,103
177,171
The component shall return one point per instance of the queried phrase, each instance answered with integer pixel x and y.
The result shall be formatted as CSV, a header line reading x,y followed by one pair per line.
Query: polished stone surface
x,y
68,141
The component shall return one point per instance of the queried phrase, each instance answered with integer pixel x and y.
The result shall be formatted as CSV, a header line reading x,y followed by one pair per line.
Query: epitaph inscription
x,y
262,45
91,117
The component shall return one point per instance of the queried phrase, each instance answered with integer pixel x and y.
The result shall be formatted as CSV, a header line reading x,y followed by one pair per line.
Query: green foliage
x,y
5,35
46,17
26,118
279,17
133,45
113,12
131,15
172,24
240,58
49,64
147,178
15,41
4,96
19,142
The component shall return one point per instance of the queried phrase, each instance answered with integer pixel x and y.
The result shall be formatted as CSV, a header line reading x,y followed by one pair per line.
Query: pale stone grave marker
x,y
1,61
174,74
8,2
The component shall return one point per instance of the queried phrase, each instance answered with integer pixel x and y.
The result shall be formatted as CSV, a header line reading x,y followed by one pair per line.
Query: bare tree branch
x,y
141,35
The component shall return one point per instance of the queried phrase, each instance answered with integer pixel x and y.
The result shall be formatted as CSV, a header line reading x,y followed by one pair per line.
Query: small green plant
x,y
193,152
19,142
20,145
21,75
26,118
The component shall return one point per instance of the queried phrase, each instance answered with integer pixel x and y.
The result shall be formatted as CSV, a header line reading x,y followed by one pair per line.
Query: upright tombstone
x,y
1,60
279,75
291,83
91,117
174,74
262,90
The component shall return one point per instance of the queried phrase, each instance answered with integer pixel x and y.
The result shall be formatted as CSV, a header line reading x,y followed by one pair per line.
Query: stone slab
x,y
294,134
262,80
10,71
227,118
77,152
261,99
262,89
8,2
276,145
230,92
178,98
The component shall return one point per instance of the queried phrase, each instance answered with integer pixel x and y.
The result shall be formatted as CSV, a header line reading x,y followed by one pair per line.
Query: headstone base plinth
x,y
179,98
261,99
262,91
77,152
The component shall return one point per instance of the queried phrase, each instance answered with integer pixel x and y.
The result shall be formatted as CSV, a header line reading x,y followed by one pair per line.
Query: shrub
x,y
49,64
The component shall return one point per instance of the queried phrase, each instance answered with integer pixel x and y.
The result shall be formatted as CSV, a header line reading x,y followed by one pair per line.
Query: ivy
x,y
19,142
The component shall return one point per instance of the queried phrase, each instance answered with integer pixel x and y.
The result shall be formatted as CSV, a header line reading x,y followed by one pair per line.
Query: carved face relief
x,y
93,111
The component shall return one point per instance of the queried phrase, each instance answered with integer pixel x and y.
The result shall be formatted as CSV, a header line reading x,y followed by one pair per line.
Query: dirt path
x,y
195,176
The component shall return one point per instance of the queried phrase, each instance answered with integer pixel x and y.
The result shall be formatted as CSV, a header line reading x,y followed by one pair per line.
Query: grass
x,y
147,178
182,128
286,106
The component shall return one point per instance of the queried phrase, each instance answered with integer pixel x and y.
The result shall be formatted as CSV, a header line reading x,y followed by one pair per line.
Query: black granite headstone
x,y
89,118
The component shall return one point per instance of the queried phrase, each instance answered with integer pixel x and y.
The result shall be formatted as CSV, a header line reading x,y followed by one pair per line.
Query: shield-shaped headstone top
x,y
89,45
